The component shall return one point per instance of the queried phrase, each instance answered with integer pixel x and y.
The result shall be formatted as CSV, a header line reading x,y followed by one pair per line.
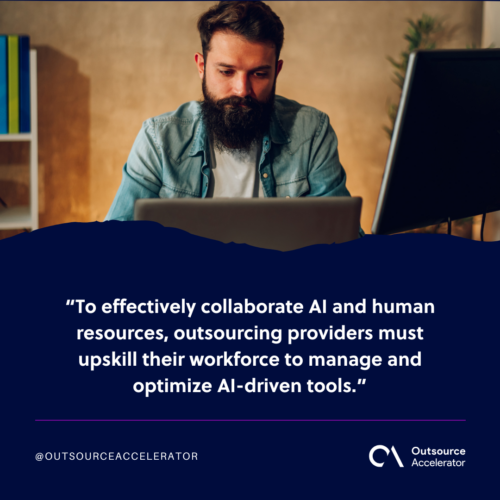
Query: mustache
x,y
236,101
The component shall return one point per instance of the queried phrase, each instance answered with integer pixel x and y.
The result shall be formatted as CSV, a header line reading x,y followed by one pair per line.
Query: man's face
x,y
237,67
238,85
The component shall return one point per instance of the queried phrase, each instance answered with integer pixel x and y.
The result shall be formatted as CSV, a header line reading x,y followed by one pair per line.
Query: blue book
x,y
4,122
24,84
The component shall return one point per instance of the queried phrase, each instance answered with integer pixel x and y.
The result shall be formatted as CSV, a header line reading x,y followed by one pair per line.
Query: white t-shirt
x,y
235,175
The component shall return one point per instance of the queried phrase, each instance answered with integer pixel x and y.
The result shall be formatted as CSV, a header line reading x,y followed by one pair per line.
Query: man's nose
x,y
241,85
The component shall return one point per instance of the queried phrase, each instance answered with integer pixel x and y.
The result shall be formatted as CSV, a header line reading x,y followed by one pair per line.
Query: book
x,y
4,121
24,84
13,78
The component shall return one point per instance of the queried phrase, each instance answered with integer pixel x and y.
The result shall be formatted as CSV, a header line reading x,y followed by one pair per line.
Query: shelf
x,y
15,218
16,137
26,217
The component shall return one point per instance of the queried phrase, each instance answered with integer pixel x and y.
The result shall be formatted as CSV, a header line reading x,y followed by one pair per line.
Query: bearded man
x,y
242,140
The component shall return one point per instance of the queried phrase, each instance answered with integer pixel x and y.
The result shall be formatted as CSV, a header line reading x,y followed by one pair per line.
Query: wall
x,y
491,24
104,67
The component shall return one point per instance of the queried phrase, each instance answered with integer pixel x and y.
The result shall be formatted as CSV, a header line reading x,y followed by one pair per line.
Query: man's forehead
x,y
229,48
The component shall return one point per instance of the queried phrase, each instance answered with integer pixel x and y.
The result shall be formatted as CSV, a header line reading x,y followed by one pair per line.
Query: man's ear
x,y
200,64
279,66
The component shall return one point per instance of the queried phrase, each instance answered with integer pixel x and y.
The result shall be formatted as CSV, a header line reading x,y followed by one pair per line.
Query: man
x,y
242,140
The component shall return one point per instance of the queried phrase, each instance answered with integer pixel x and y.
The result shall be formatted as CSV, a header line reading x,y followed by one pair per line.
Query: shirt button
x,y
265,176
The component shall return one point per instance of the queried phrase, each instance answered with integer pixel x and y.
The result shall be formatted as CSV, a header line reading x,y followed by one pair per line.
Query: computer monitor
x,y
444,157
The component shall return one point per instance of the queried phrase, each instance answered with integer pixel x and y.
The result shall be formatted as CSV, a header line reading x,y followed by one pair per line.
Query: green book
x,y
13,77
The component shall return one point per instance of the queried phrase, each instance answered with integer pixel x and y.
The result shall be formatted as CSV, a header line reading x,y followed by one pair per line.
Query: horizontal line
x,y
251,420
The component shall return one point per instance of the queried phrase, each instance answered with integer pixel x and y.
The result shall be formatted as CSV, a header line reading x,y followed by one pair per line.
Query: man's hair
x,y
254,21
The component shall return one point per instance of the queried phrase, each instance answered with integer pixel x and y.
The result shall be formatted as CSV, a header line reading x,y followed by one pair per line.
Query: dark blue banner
x,y
142,360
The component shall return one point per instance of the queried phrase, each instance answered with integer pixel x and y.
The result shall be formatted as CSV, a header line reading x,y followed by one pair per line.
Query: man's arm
x,y
142,175
326,175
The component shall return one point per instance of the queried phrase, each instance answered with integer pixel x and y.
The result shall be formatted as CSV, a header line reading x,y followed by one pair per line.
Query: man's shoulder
x,y
298,121
176,132
286,106
186,113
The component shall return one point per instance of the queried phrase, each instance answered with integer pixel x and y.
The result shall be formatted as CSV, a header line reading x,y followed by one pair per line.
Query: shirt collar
x,y
278,134
200,142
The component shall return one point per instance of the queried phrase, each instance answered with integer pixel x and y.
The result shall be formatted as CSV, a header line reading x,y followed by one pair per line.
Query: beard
x,y
232,126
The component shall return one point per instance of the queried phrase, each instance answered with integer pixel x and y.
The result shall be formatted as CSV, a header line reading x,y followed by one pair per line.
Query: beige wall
x,y
104,67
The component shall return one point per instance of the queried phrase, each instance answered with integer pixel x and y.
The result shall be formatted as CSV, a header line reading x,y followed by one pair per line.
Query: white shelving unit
x,y
26,217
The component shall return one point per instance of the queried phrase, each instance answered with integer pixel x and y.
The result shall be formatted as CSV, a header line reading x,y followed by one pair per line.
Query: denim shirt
x,y
170,157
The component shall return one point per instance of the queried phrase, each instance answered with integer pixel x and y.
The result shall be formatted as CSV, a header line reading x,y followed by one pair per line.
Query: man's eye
x,y
261,74
226,72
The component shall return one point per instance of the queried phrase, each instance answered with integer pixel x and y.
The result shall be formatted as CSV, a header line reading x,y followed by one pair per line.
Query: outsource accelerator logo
x,y
427,457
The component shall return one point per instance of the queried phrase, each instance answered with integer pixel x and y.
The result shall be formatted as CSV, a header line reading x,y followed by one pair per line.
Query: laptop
x,y
274,223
